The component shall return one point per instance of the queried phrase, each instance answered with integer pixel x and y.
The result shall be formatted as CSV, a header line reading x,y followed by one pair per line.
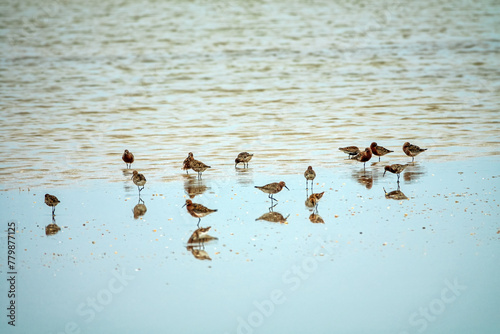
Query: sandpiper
x,y
243,157
312,201
186,165
128,158
379,150
139,180
272,188
350,150
197,210
52,201
198,167
364,156
412,150
395,169
309,174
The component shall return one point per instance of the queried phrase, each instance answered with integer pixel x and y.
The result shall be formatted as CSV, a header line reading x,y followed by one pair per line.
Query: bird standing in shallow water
x,y
52,201
379,150
243,157
395,169
412,150
272,188
350,150
312,201
128,158
309,174
197,210
139,180
198,167
364,156
186,165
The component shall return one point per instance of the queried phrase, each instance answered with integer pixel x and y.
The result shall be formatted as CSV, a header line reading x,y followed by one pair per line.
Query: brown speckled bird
x,y
379,150
272,188
243,157
139,180
197,210
309,174
395,169
128,158
52,201
412,150
350,150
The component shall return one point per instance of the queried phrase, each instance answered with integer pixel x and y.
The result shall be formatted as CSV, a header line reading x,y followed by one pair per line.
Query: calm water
x,y
80,82
289,82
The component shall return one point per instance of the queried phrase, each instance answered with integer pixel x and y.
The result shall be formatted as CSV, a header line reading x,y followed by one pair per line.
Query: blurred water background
x,y
289,81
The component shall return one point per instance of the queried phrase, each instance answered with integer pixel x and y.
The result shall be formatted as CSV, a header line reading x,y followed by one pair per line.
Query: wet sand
x,y
373,265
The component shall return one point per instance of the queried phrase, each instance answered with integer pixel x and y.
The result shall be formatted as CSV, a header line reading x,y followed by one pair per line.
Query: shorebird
x,y
412,150
186,165
128,158
139,180
244,157
198,167
52,201
395,169
379,150
272,188
197,210
350,150
312,201
364,156
309,174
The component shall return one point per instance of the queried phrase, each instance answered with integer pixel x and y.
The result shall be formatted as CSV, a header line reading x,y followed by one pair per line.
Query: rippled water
x,y
287,81
290,82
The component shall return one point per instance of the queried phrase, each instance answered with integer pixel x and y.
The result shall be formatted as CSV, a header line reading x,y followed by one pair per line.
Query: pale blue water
x,y
375,265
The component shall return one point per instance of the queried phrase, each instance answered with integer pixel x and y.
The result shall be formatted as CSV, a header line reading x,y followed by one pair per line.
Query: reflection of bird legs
x,y
199,220
272,206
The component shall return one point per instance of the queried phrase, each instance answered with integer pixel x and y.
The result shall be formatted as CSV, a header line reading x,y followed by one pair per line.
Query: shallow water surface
x,y
373,264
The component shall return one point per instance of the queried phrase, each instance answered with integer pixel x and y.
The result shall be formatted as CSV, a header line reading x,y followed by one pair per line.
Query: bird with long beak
x,y
395,169
272,188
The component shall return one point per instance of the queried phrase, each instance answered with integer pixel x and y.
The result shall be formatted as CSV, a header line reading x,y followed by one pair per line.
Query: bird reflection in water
x,y
363,178
414,172
140,209
52,228
194,186
316,219
196,243
273,217
395,194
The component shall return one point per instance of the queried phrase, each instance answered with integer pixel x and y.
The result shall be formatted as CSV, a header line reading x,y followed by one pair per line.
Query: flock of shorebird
x,y
199,211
